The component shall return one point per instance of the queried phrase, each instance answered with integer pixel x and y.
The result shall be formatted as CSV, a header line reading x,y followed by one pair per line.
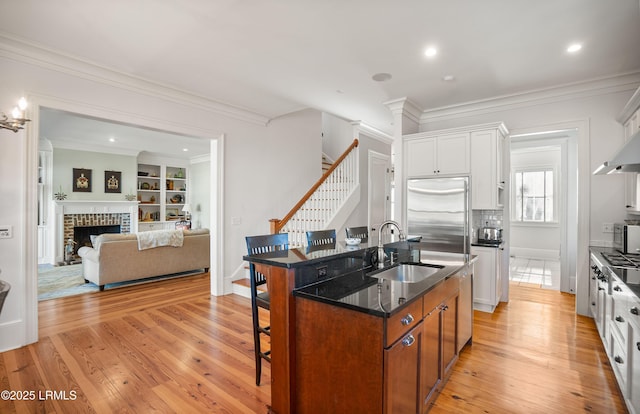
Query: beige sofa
x,y
116,258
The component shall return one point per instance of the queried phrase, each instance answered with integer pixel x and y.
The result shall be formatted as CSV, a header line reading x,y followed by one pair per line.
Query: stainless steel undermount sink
x,y
407,272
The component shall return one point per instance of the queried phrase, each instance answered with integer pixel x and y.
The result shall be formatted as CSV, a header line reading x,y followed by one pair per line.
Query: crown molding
x,y
630,108
500,126
593,87
28,52
368,130
406,107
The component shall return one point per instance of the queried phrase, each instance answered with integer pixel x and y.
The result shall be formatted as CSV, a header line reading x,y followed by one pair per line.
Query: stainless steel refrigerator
x,y
438,211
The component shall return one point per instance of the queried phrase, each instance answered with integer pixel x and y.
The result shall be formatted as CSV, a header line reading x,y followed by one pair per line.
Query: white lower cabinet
x,y
487,282
633,398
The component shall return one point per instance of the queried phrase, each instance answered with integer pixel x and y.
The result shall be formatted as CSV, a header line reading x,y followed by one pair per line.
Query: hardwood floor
x,y
171,347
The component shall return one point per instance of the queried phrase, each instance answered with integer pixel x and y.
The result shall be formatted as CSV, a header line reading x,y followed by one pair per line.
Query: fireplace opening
x,y
82,234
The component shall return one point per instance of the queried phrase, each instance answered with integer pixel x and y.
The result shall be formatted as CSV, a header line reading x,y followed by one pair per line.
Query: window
x,y
533,196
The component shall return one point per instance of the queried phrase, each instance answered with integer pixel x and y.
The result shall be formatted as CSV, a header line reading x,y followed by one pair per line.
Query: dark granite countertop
x,y
484,244
304,256
362,291
351,281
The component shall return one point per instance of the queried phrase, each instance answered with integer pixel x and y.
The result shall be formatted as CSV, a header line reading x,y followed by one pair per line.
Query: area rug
x,y
60,281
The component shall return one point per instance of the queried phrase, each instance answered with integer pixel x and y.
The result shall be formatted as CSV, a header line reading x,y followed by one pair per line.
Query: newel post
x,y
273,225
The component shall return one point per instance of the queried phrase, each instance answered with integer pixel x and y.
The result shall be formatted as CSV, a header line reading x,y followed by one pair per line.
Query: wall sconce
x,y
17,119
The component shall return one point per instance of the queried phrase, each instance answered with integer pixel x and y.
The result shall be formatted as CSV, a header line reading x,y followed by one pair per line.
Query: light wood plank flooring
x,y
171,347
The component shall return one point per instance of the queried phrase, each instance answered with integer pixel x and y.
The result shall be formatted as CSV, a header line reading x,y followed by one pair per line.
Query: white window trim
x,y
556,194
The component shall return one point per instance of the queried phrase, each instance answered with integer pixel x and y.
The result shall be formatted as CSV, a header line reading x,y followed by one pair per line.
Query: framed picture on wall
x,y
81,180
112,180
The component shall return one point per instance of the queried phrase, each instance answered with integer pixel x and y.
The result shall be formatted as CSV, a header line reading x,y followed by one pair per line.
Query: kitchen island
x,y
349,337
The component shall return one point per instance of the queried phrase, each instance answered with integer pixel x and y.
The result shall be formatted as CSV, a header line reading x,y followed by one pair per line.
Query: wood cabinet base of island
x,y
351,361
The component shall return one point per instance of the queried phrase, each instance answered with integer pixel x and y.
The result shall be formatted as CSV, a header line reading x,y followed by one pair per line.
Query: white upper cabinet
x,y
487,177
431,155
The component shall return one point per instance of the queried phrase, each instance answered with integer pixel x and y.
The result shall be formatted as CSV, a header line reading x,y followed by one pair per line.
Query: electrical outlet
x,y
607,227
236,221
6,232
322,271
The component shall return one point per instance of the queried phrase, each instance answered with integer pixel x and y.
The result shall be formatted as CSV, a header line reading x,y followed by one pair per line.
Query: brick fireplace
x,y
72,214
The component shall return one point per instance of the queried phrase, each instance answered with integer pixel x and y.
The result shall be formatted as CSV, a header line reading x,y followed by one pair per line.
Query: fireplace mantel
x,y
90,207
95,207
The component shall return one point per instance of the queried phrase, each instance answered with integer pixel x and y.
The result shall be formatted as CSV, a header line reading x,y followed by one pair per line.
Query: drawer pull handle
x,y
407,320
619,318
638,345
408,341
634,310
618,359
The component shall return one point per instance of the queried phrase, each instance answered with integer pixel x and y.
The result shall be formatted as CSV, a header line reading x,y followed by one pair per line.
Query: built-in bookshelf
x,y
162,194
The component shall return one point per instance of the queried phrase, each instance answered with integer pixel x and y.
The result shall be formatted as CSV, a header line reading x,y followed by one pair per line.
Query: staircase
x,y
329,201
326,205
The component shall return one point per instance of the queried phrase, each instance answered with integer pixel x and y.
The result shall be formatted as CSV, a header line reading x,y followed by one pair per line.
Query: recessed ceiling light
x,y
431,52
112,139
448,78
185,149
573,48
381,77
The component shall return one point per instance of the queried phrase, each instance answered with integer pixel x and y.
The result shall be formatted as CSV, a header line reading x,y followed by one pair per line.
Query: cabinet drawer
x,y
440,292
619,361
403,321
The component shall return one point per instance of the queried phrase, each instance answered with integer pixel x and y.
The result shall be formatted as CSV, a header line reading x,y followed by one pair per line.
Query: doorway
x,y
215,141
72,140
379,196
543,201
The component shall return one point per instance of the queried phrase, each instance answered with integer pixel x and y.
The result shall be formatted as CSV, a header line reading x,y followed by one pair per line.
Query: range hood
x,y
625,160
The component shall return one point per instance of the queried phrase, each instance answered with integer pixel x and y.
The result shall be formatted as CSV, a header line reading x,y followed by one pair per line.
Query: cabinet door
x,y
453,154
402,373
465,307
484,279
499,274
449,333
631,179
431,366
634,360
483,170
421,157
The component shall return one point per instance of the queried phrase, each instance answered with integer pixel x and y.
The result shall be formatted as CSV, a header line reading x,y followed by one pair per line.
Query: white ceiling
x,y
278,56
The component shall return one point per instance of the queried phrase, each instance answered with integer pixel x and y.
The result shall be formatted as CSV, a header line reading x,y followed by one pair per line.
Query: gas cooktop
x,y
623,260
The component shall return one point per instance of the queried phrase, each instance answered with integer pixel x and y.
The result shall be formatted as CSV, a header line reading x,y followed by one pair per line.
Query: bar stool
x,y
256,245
361,233
321,237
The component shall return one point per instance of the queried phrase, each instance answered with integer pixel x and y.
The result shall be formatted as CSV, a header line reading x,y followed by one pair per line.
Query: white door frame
x,y
30,264
376,158
579,249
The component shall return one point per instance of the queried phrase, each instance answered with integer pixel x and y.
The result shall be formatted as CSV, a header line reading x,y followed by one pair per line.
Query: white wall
x,y
65,160
267,166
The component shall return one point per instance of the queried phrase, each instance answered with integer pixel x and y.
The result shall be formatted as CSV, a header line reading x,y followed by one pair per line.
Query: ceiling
x,y
275,57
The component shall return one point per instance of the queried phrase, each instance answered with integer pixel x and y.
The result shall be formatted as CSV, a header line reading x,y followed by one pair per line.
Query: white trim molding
x,y
22,50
